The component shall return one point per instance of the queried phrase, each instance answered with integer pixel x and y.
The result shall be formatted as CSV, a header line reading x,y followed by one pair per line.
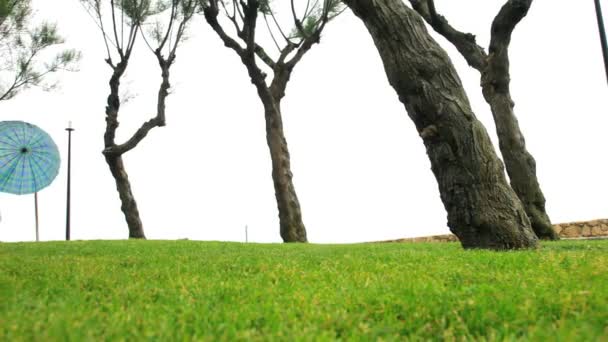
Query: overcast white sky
x,y
360,169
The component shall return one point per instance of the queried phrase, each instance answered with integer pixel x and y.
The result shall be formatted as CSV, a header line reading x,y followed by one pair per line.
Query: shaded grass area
x,y
184,290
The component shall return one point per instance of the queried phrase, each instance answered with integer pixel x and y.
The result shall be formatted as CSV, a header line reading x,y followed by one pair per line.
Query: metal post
x,y
67,215
600,25
246,234
36,211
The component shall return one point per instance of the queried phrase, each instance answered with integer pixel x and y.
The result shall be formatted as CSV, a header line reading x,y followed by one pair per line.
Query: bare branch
x,y
118,46
131,39
271,34
285,52
314,38
279,27
464,42
163,92
510,14
296,20
310,9
211,12
143,35
233,19
251,15
99,23
238,9
259,51
173,8
137,137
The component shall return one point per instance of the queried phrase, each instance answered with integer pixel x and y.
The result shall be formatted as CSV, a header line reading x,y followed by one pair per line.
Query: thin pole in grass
x,y
246,234
67,211
36,214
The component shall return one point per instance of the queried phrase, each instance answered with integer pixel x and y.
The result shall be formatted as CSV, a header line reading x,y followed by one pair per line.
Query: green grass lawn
x,y
186,290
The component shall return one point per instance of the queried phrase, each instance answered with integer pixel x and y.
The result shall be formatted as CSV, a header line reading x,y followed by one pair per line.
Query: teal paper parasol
x,y
29,159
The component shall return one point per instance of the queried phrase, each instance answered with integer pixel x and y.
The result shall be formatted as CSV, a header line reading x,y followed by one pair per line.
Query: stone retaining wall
x,y
595,228
570,230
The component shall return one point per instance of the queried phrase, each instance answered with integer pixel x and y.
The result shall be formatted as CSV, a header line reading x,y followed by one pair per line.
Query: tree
x,y
243,16
483,210
21,48
495,79
130,16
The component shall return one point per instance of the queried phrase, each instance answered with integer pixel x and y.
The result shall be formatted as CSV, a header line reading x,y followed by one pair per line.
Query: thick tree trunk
x,y
483,211
129,206
290,214
494,70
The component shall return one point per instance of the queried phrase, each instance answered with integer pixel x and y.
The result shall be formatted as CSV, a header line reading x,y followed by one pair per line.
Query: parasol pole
x,y
36,210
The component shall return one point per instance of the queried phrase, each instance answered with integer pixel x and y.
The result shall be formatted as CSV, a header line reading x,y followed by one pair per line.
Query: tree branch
x,y
511,13
251,16
164,41
163,91
464,42
211,12
274,19
312,39
260,52
118,46
271,34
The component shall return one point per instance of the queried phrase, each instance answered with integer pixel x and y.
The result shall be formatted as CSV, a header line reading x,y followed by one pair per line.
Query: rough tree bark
x,y
128,204
292,227
114,161
290,216
483,211
495,79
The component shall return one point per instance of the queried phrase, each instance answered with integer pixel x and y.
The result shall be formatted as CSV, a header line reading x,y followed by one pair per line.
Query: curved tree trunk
x,y
483,211
114,160
290,214
495,80
520,164
129,206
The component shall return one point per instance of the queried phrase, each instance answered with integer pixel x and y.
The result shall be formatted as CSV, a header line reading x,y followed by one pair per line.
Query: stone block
x,y
586,231
558,228
571,231
597,231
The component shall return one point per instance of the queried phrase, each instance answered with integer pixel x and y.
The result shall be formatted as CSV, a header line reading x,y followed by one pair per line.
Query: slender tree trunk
x,y
495,82
129,206
520,164
483,211
290,214
114,160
